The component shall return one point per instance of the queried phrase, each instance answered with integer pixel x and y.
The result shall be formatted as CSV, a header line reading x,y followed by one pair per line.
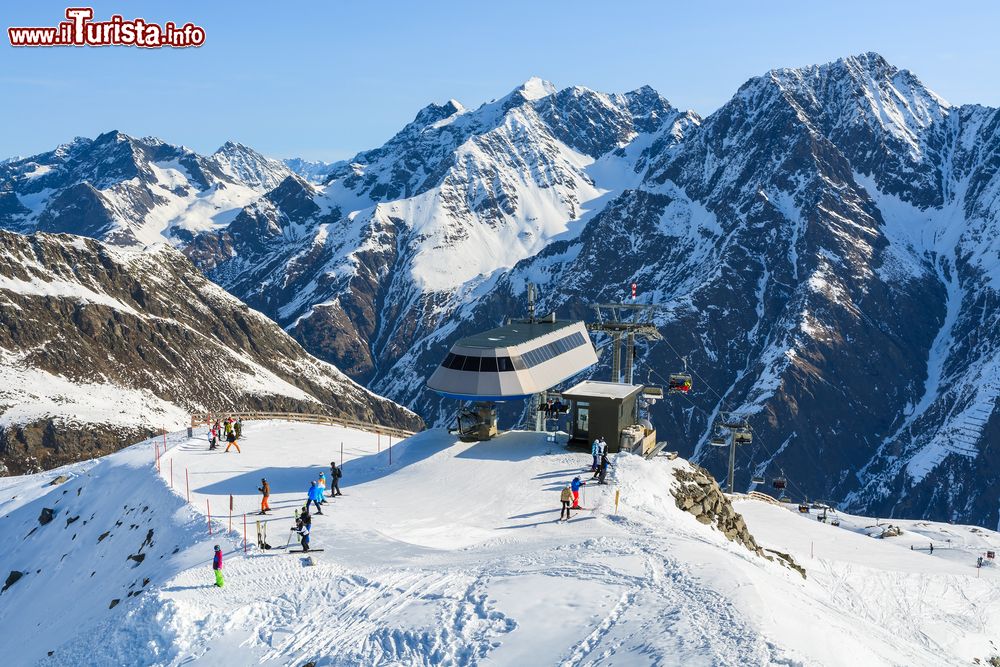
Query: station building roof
x,y
509,335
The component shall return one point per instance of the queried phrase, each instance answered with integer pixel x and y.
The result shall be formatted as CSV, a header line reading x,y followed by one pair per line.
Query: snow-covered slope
x,y
451,555
101,346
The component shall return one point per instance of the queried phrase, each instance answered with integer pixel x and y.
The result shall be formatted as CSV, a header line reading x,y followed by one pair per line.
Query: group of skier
x,y
316,496
229,429
571,492
303,520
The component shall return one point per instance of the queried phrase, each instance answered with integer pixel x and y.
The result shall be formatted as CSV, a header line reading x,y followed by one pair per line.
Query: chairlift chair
x,y
718,441
779,483
680,383
757,479
743,436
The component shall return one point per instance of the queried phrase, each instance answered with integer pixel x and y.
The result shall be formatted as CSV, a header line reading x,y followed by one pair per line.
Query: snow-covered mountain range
x,y
101,346
824,249
126,190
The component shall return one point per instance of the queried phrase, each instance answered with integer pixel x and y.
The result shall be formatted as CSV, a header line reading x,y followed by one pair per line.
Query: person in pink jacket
x,y
217,566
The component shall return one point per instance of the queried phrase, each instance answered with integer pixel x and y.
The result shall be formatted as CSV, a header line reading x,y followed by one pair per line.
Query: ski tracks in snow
x,y
337,616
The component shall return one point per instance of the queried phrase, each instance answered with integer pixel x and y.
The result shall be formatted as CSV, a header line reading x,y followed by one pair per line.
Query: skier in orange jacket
x,y
265,490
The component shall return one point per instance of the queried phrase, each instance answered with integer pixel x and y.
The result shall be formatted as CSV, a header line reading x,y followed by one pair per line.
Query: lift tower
x,y
612,319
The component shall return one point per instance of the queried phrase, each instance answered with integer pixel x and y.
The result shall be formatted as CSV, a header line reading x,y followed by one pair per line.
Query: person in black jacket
x,y
603,470
335,474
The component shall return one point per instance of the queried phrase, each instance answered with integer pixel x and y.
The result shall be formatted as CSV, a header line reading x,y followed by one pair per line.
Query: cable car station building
x,y
524,359
608,410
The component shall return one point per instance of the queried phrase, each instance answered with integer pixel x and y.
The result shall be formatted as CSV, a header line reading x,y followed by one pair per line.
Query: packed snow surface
x,y
451,554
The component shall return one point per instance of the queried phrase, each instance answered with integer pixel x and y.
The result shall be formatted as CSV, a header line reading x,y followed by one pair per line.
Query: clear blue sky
x,y
323,80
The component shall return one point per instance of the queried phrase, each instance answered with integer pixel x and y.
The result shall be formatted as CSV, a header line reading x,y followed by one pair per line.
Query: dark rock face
x,y
147,335
12,579
699,494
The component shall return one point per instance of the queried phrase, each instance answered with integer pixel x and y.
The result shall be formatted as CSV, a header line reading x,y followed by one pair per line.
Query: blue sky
x,y
323,80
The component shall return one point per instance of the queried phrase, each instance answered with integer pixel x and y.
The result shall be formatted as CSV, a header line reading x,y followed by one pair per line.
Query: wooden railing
x,y
201,418
757,495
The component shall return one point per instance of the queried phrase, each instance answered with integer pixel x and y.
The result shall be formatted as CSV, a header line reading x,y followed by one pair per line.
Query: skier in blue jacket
x,y
315,497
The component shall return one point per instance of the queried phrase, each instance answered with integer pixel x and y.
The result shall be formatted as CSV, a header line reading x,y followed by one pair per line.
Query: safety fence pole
x,y
378,440
164,440
342,454
171,473
617,494
244,533
187,485
208,507
230,512
157,456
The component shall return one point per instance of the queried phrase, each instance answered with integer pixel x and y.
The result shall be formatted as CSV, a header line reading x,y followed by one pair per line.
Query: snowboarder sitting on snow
x,y
217,566
564,498
314,497
575,487
265,490
335,475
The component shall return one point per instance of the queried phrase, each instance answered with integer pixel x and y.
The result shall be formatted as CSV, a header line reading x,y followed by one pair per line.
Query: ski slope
x,y
451,555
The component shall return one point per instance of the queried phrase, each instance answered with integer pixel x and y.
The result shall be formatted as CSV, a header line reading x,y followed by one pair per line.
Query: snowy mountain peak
x,y
433,113
535,88
250,167
314,171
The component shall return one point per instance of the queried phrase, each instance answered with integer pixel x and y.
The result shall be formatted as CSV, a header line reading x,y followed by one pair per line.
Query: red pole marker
x,y
208,506
633,291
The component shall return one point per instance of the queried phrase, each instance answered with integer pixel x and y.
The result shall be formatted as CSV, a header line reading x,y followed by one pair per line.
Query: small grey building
x,y
601,409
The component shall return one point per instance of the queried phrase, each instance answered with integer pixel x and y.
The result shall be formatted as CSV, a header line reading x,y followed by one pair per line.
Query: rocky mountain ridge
x,y
101,346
